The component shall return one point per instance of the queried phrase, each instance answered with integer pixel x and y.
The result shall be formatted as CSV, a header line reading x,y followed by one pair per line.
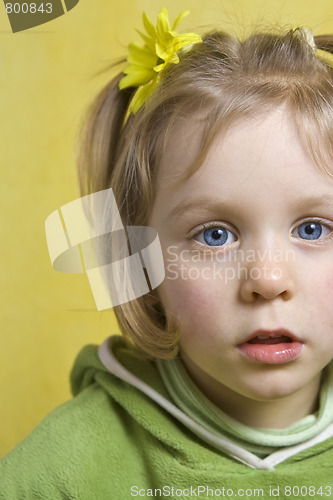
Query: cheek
x,y
198,303
323,296
182,295
318,288
328,282
322,280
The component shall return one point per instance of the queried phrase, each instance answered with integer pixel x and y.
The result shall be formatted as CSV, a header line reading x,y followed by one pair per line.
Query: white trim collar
x,y
223,444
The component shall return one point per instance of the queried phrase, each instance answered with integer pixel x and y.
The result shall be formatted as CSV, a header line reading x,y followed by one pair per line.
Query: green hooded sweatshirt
x,y
122,437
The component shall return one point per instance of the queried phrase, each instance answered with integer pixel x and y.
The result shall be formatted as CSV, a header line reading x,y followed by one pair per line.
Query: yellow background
x,y
48,77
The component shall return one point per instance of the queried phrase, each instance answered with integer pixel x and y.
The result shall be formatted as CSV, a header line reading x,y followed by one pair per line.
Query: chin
x,y
272,387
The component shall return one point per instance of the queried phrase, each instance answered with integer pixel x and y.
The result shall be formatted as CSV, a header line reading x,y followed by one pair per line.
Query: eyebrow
x,y
204,204
209,205
313,202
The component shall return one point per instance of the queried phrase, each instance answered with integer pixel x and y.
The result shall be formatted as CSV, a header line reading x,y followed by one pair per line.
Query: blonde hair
x,y
225,79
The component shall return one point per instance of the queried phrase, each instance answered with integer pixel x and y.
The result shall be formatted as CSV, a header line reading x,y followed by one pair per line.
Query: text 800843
x,y
31,8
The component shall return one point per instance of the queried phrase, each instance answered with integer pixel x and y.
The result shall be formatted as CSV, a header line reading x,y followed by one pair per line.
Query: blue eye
x,y
311,230
215,236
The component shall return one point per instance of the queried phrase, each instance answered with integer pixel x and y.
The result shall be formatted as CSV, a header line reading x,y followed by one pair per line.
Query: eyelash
x,y
323,222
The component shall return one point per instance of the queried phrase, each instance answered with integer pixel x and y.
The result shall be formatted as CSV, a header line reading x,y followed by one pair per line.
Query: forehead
x,y
266,134
261,155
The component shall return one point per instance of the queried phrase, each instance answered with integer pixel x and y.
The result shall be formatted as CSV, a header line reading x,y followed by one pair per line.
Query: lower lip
x,y
273,354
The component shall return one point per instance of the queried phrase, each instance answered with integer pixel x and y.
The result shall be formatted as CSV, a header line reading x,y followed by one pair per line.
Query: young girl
x,y
221,385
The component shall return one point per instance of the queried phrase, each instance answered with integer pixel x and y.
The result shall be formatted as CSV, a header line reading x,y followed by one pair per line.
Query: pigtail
x,y
102,139
100,136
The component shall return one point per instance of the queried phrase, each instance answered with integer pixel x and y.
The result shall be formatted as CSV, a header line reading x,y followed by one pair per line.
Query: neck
x,y
269,414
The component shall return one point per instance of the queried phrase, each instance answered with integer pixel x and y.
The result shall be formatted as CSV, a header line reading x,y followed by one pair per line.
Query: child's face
x,y
248,248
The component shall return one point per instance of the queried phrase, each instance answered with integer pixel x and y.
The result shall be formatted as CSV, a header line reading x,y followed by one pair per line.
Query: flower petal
x,y
167,54
188,39
150,28
141,95
163,24
179,18
159,67
135,76
142,57
149,41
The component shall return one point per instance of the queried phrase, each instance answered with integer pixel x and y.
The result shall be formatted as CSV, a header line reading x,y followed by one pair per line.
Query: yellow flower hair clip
x,y
145,62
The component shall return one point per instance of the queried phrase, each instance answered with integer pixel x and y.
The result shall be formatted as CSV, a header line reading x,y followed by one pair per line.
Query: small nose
x,y
267,279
